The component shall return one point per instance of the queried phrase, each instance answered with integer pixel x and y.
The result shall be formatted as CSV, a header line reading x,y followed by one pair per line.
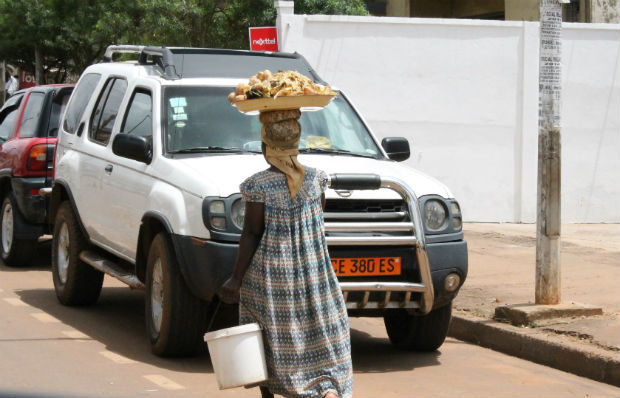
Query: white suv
x,y
149,160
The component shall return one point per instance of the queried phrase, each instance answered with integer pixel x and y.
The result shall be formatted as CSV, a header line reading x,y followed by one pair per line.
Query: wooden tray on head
x,y
284,102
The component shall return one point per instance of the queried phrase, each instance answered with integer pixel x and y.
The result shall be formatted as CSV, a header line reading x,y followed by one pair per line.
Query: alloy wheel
x,y
7,227
63,253
157,295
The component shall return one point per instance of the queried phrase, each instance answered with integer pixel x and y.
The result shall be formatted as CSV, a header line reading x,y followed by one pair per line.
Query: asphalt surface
x,y
47,349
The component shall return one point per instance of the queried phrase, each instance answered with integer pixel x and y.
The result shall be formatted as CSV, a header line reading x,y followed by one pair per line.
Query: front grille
x,y
366,210
364,206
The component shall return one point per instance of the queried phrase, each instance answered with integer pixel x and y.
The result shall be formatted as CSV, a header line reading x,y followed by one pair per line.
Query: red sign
x,y
263,39
26,80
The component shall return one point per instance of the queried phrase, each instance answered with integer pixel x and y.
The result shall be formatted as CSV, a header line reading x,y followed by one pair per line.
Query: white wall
x,y
465,93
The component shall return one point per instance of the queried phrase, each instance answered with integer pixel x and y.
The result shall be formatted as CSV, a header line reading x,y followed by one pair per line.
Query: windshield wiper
x,y
334,151
203,149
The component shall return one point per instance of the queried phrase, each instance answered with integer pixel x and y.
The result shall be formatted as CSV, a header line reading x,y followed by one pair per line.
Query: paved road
x,y
47,349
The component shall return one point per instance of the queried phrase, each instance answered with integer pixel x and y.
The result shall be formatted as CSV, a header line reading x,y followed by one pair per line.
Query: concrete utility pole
x,y
548,270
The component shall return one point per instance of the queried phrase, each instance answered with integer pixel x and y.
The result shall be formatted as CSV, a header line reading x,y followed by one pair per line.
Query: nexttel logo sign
x,y
260,42
263,39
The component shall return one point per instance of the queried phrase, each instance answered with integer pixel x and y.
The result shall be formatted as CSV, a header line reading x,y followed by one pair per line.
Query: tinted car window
x,y
59,106
83,91
95,118
196,117
139,118
106,109
7,121
13,100
32,114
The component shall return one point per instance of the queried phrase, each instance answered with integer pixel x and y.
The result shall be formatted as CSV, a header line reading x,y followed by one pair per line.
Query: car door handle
x,y
108,169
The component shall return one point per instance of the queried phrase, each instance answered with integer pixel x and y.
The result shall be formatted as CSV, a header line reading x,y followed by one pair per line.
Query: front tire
x,y
175,318
419,333
75,282
15,252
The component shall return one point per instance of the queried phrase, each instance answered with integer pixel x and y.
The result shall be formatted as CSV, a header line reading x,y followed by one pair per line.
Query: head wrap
x,y
281,133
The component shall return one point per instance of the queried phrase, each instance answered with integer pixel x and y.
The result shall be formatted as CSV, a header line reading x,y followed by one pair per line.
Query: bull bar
x,y
416,239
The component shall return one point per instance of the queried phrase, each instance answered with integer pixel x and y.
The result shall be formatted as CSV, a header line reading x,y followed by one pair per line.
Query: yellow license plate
x,y
366,266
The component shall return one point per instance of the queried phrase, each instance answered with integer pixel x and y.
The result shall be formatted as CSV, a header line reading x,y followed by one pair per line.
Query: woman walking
x,y
283,275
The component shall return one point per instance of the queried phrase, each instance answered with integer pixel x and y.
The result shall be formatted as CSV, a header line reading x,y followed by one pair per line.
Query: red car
x,y
29,122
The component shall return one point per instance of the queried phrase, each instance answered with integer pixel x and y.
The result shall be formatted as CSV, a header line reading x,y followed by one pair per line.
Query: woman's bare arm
x,y
253,228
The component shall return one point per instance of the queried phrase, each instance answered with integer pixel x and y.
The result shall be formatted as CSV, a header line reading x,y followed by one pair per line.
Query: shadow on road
x,y
117,322
377,355
41,260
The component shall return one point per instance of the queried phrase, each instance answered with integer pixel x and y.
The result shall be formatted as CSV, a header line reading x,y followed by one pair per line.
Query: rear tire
x,y
175,319
14,252
75,282
419,333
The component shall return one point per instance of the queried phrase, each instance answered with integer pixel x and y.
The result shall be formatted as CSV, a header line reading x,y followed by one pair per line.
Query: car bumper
x,y
446,258
206,265
368,296
32,208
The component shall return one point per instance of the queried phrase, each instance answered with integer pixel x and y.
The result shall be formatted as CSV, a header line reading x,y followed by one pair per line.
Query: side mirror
x,y
397,148
133,147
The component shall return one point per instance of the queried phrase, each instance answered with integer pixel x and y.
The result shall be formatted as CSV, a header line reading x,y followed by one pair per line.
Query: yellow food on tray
x,y
267,85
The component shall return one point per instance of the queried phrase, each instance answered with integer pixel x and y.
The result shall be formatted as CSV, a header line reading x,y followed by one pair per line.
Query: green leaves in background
x,y
68,35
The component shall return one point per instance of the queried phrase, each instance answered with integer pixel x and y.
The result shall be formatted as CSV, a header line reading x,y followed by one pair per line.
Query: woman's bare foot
x,y
331,395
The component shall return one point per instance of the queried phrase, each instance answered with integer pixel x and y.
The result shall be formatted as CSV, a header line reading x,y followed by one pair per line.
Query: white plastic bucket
x,y
237,355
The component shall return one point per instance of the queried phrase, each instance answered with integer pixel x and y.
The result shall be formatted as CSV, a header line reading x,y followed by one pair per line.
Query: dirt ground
x,y
502,266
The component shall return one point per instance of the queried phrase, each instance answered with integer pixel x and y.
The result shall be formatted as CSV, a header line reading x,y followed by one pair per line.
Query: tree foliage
x,y
71,34
68,34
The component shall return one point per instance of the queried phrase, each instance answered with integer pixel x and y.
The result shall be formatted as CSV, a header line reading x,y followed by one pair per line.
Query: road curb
x,y
536,346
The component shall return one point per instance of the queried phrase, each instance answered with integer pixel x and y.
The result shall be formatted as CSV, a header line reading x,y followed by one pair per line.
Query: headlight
x,y
218,222
457,223
457,219
217,206
434,214
237,213
224,216
217,209
455,208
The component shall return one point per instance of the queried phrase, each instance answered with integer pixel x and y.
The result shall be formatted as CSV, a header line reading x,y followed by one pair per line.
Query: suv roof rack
x,y
120,49
190,62
160,55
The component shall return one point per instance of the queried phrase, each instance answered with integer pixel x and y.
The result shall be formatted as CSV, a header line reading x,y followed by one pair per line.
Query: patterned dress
x,y
291,287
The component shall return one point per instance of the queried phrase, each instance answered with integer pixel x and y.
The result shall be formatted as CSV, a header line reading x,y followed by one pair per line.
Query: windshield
x,y
200,119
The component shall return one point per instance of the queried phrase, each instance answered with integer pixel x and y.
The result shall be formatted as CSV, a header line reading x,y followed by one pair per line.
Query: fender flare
x,y
142,253
60,186
24,230
6,173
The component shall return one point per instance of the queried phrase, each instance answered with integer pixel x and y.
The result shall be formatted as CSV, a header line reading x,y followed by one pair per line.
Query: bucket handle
x,y
217,308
